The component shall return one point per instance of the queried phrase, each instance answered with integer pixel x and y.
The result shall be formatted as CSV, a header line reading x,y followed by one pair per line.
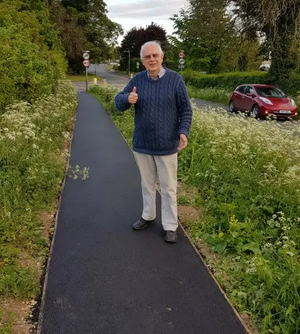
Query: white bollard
x,y
95,81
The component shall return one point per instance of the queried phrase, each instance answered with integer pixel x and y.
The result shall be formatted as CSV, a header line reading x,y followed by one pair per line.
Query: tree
x,y
136,37
206,31
84,25
132,42
210,39
277,22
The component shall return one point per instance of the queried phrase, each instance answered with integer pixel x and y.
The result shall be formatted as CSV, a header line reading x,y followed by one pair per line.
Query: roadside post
x,y
181,56
86,64
137,66
128,61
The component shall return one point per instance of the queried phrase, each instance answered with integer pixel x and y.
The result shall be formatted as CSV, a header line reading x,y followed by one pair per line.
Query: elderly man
x,y
163,118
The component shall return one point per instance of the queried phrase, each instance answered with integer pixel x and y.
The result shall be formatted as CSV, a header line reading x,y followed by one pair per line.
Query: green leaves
x,y
84,25
31,61
31,169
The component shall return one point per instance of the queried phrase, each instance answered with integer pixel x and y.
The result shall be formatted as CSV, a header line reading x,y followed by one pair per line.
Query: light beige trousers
x,y
165,169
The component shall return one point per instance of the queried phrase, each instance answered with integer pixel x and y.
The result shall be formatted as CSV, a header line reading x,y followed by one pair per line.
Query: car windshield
x,y
269,92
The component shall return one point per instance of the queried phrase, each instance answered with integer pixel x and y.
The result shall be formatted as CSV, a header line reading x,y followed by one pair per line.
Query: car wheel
x,y
255,111
231,107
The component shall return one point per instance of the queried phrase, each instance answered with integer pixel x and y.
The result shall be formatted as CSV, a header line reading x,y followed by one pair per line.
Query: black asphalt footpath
x,y
104,277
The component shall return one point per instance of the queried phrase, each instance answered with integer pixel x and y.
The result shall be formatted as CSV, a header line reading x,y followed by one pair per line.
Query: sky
x,y
140,13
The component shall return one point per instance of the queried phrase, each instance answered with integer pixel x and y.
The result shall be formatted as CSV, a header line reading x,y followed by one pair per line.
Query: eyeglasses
x,y
154,55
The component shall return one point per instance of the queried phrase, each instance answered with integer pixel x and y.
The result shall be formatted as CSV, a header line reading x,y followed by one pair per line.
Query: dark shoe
x,y
171,236
142,223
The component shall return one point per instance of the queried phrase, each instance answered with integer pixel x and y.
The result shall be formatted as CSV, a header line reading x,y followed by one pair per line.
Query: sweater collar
x,y
160,74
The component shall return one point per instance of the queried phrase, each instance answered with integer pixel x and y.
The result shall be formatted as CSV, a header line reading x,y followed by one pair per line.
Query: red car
x,y
262,100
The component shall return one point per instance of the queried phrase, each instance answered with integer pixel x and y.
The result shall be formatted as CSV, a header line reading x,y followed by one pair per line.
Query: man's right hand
x,y
133,97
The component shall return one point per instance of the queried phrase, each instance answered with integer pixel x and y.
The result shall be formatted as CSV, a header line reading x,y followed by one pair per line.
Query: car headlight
x,y
265,100
293,102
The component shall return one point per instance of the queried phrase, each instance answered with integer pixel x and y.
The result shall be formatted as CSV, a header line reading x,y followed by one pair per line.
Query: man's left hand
x,y
183,142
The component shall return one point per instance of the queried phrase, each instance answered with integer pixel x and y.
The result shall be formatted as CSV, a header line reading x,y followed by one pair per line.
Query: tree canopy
x,y
277,23
84,25
136,37
208,34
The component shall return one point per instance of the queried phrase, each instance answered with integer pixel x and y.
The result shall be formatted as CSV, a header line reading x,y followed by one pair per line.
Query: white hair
x,y
149,43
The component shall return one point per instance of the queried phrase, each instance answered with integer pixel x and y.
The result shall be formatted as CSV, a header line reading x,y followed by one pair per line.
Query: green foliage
x,y
219,95
31,169
225,80
18,282
135,38
229,81
84,25
210,40
249,177
30,58
280,30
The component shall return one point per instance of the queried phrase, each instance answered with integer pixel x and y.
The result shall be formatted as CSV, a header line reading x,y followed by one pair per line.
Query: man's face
x,y
152,58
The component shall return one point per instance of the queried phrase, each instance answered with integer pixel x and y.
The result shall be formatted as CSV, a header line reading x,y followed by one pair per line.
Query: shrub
x,y
31,61
229,81
224,80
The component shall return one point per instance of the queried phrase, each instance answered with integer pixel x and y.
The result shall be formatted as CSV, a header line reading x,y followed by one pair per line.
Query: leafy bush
x,y
225,80
31,61
230,81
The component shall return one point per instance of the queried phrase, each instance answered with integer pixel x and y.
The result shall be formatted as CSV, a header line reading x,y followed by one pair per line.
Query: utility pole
x,y
128,61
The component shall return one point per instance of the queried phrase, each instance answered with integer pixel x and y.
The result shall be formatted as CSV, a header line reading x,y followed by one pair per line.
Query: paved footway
x,y
104,277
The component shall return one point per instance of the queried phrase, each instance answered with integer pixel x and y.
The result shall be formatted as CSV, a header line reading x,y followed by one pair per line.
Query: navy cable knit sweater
x,y
162,112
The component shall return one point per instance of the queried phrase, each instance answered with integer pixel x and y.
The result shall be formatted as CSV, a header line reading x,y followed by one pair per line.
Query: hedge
x,y
231,80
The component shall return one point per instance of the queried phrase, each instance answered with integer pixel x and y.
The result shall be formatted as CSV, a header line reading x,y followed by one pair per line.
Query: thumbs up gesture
x,y
133,97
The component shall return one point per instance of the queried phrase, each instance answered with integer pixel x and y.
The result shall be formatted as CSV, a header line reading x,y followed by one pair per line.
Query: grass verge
x,y
247,177
33,154
209,94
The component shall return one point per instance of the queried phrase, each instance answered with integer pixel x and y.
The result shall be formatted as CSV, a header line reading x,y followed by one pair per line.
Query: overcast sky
x,y
140,13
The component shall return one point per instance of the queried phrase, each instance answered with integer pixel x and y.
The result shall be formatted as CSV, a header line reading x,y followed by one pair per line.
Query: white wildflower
x,y
290,253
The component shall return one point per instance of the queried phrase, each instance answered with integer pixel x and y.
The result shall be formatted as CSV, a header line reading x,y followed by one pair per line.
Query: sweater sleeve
x,y
121,99
184,109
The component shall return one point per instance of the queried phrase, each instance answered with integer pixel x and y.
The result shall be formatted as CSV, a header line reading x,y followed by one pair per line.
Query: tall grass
x,y
32,160
248,173
219,95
